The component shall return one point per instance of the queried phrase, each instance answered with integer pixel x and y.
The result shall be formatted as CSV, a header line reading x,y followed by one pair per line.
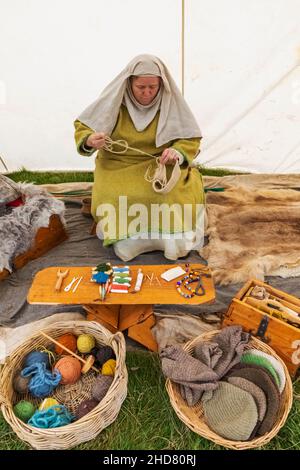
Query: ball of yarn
x,y
24,410
101,386
42,381
85,407
70,369
20,384
104,354
109,367
36,357
85,343
69,341
47,403
52,417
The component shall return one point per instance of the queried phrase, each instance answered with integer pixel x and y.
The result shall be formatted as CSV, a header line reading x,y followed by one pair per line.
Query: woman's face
x,y
145,88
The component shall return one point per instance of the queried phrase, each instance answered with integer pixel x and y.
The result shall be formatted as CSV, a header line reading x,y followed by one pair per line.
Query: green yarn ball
x,y
85,343
24,410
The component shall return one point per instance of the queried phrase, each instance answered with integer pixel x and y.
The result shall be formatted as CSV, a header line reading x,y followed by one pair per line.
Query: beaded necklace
x,y
193,276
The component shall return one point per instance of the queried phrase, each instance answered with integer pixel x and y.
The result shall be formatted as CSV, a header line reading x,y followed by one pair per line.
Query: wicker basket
x,y
193,416
90,425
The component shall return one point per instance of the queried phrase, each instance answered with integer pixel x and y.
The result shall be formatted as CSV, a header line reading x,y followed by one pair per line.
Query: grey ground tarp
x,y
83,249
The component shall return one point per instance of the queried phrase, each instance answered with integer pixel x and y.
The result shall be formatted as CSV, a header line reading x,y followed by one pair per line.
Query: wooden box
x,y
267,323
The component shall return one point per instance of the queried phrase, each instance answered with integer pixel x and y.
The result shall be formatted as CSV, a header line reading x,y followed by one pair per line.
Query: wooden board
x,y
46,238
42,289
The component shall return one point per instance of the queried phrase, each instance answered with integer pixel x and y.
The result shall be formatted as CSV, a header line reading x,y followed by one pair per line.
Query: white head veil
x,y
176,120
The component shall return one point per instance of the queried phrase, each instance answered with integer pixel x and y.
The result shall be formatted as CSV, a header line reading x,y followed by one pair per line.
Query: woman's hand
x,y
96,140
169,157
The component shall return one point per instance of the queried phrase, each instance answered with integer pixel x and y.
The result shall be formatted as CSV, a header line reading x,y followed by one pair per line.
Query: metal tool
x,y
200,288
69,286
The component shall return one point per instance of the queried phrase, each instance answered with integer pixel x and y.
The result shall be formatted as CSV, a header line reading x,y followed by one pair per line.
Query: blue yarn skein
x,y
100,277
53,417
36,357
42,381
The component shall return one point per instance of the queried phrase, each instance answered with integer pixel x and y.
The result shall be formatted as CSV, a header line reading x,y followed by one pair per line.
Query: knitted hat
x,y
261,378
255,391
231,412
248,358
275,363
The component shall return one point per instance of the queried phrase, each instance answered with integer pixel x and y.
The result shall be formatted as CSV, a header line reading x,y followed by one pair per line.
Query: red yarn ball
x,y
69,341
70,369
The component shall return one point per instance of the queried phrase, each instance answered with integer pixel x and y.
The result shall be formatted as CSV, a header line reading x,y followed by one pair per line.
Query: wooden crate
x,y
280,335
45,239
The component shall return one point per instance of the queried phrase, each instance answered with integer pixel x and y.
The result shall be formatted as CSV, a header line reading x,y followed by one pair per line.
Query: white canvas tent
x,y
241,74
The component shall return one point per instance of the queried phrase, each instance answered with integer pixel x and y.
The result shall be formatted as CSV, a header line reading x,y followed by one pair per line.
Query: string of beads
x,y
193,276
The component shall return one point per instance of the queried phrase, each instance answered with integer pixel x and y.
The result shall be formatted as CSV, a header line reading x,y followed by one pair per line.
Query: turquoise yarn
x,y
54,417
42,381
36,357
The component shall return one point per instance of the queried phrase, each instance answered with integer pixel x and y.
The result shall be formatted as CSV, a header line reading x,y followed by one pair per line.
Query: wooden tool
x,y
69,351
88,365
60,277
274,309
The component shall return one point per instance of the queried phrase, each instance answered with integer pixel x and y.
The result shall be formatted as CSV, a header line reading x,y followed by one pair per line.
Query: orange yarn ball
x,y
69,341
70,369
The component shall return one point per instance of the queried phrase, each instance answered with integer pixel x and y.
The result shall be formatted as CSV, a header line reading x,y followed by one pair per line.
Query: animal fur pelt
x,y
18,229
253,234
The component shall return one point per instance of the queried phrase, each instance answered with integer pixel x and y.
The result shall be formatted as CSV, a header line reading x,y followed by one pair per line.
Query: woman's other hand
x,y
169,157
96,140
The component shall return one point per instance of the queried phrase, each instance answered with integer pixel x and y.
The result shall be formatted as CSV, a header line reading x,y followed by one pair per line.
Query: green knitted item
x,y
248,358
231,412
275,363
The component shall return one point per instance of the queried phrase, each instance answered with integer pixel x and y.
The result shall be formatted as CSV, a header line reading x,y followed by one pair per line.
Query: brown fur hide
x,y
253,234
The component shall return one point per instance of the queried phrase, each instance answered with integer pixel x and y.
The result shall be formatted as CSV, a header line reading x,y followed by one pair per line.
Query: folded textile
x,y
275,363
261,377
228,347
183,369
261,361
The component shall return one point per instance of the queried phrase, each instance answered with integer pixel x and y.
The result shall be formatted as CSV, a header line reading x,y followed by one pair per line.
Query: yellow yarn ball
x,y
109,367
85,343
47,403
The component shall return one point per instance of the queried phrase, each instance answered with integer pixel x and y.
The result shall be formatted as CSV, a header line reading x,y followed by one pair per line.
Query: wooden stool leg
x,y
132,314
107,315
141,333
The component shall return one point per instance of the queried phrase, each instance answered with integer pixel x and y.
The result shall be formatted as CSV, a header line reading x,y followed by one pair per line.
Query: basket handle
x,y
118,337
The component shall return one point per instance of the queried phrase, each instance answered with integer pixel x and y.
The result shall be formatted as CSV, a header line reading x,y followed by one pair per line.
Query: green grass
x,y
147,420
52,177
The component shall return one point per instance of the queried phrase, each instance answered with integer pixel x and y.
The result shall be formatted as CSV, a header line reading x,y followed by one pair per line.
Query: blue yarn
x,y
100,277
42,382
36,357
54,417
121,270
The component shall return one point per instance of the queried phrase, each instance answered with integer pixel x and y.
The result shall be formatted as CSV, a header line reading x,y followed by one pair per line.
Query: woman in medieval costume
x,y
144,107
